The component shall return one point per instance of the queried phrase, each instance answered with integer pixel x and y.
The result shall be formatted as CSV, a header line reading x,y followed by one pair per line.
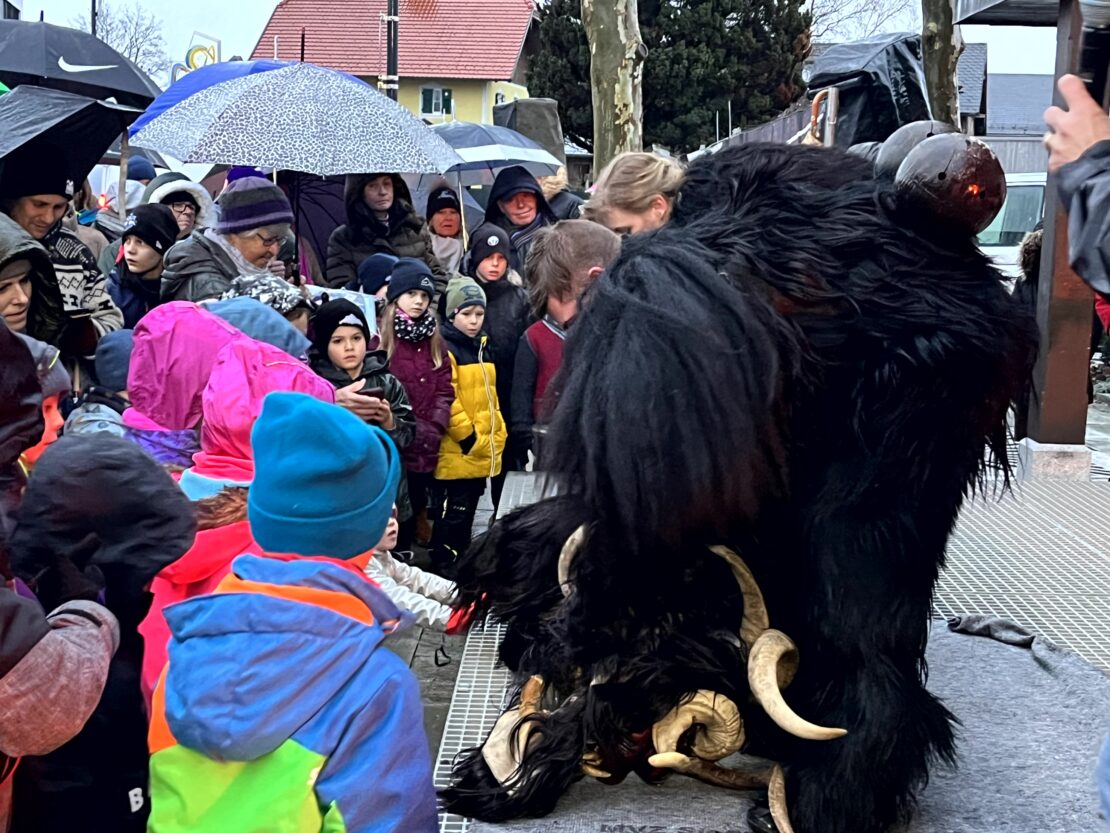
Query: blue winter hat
x,y
328,491
375,272
139,168
113,358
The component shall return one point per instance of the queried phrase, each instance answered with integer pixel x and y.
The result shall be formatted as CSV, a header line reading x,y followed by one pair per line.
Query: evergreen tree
x,y
702,54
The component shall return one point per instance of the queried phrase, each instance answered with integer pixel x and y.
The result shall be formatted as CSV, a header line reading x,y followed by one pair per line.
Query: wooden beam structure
x,y
1058,412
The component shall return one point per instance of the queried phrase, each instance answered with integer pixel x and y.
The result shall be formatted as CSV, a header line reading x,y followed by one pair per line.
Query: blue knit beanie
x,y
325,481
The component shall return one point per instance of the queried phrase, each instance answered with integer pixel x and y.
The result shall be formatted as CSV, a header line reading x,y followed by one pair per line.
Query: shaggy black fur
x,y
792,368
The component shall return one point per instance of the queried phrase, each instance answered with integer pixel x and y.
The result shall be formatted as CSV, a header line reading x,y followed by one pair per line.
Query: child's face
x,y
347,348
140,257
469,321
389,540
414,303
494,267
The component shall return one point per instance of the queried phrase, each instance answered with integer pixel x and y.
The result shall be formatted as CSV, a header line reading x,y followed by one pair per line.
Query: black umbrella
x,y
45,55
112,155
72,129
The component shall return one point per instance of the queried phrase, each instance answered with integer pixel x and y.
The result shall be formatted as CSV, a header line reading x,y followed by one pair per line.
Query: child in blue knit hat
x,y
279,706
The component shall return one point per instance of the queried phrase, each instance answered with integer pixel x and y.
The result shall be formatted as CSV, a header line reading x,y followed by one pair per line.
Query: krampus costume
x,y
771,411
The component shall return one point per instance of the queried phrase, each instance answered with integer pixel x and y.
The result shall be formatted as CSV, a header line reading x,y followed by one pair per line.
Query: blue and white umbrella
x,y
486,148
299,118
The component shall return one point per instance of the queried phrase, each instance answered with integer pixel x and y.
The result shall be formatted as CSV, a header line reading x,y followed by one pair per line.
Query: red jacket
x,y
196,573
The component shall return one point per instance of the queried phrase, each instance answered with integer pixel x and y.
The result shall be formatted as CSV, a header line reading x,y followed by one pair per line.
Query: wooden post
x,y
1065,305
121,198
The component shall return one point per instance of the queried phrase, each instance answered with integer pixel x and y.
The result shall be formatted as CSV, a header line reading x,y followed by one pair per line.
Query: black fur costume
x,y
794,369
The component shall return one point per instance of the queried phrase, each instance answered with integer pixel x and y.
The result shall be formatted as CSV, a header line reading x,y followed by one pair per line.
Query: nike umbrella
x,y
71,131
44,55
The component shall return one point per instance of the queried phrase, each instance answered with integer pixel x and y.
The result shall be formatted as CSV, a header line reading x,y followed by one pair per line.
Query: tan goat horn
x,y
566,556
763,663
756,619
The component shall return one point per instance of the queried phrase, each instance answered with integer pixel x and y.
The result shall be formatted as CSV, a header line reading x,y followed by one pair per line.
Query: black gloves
x,y
467,444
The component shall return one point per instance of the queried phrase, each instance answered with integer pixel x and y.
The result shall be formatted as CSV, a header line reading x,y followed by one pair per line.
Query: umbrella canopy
x,y
201,79
112,155
486,148
77,128
300,118
67,59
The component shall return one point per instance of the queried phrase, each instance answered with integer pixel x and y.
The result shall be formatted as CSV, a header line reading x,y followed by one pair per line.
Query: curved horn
x,y
720,732
756,619
763,664
776,797
569,551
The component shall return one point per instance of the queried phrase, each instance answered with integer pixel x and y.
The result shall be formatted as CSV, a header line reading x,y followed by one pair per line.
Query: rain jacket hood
x,y
243,372
263,323
512,181
45,318
98,500
226,695
172,182
176,346
362,219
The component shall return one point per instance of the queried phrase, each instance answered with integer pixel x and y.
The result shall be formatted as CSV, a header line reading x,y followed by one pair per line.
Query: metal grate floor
x,y
1039,557
475,707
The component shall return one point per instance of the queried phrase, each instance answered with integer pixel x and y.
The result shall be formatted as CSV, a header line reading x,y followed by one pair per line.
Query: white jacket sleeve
x,y
429,612
420,581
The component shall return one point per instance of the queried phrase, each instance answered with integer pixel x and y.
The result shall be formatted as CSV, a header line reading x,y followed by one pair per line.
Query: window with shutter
x,y
427,101
448,103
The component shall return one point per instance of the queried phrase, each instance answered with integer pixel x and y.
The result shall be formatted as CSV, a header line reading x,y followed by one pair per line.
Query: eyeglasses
x,y
269,242
183,208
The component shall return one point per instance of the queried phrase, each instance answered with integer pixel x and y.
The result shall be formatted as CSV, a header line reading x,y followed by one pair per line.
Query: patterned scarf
x,y
416,331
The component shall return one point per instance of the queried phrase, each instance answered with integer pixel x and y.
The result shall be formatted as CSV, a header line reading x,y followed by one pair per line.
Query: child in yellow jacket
x,y
471,451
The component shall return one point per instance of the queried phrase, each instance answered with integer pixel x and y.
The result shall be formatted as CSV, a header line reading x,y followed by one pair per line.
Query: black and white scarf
x,y
406,329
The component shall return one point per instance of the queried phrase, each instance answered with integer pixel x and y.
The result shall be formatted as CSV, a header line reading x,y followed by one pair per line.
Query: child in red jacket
x,y
565,259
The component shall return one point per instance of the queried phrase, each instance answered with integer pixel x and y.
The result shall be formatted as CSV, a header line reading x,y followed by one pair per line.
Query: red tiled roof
x,y
437,39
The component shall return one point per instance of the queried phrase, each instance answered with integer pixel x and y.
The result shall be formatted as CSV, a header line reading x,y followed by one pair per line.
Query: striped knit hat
x,y
251,203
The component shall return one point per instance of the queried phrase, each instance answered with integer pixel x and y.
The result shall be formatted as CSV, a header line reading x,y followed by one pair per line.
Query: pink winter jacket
x,y
243,373
175,348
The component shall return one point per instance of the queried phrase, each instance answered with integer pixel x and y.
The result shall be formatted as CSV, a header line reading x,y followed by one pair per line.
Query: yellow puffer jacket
x,y
475,411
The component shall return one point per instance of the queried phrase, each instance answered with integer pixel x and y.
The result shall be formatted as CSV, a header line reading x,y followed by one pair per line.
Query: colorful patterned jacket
x,y
278,711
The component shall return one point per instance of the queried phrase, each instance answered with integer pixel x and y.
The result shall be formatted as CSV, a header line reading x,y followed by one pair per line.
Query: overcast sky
x,y
238,24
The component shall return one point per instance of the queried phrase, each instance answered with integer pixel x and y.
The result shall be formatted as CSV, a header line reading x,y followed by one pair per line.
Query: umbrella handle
x,y
462,212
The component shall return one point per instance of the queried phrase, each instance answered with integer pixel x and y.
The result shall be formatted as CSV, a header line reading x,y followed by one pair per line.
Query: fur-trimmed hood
x,y
172,183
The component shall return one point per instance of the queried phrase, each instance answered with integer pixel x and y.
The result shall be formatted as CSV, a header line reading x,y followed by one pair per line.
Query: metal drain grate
x,y
475,707
1040,558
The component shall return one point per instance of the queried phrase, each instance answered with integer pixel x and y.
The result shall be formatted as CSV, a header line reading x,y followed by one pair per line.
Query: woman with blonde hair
x,y
635,193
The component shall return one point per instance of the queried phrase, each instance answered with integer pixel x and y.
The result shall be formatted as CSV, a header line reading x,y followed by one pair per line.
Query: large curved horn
x,y
720,729
756,619
763,678
776,797
566,556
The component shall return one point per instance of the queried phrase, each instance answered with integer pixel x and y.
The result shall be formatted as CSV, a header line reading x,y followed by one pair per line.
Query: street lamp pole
x,y
392,19
92,18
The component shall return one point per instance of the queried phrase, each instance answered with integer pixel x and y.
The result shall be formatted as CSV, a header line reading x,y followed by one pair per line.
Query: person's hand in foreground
x,y
1073,131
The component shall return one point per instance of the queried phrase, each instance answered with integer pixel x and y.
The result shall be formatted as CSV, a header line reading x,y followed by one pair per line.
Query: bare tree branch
x,y
844,20
133,32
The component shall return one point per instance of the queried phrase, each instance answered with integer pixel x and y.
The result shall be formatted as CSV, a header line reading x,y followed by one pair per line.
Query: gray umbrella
x,y
300,118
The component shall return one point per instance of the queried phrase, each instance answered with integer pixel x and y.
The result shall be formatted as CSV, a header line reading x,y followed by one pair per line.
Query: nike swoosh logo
x,y
66,66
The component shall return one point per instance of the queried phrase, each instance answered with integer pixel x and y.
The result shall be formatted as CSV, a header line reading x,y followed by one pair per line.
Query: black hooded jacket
x,y
405,235
512,181
100,504
46,318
